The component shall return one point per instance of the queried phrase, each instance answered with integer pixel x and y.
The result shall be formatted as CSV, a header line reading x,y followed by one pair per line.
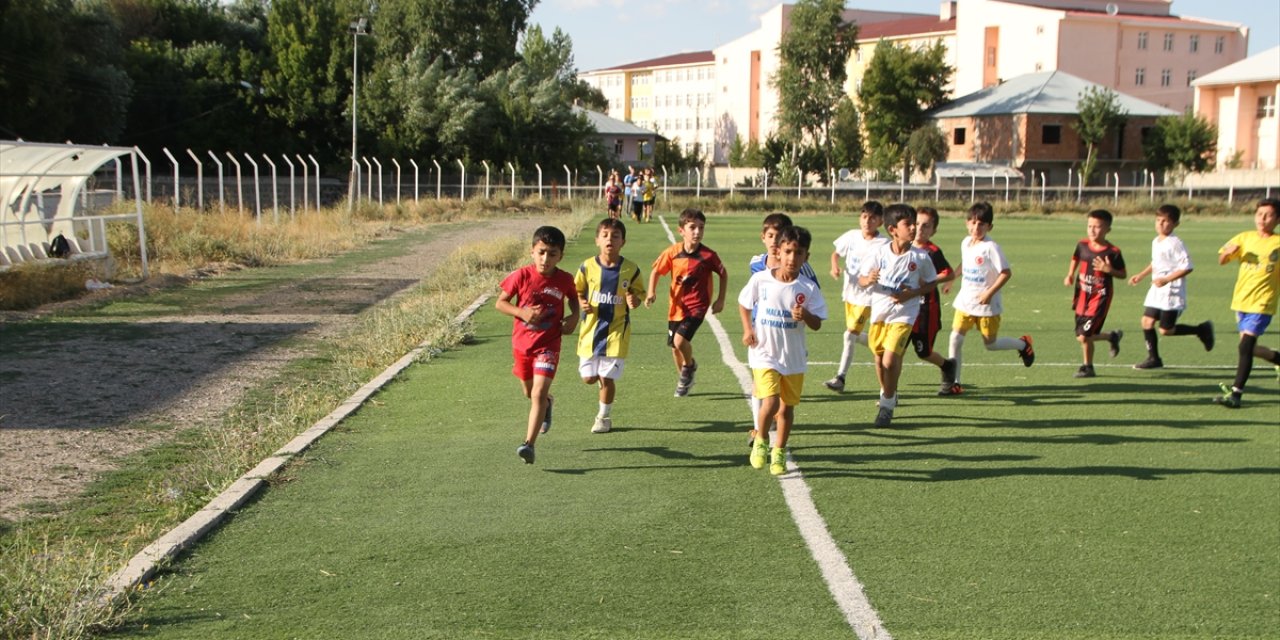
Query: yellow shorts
x,y
768,383
988,326
855,317
889,337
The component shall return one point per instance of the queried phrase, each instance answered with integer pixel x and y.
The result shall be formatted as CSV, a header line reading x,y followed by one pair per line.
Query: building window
x,y
1166,77
1140,76
617,147
1219,44
1051,134
1142,39
1195,43
957,136
1266,106
1191,77
1168,42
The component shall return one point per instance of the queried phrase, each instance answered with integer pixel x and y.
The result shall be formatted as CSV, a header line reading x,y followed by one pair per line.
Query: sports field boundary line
x,y
844,586
144,564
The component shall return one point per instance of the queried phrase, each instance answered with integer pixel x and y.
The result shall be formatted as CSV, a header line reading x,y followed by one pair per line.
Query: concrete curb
x,y
143,565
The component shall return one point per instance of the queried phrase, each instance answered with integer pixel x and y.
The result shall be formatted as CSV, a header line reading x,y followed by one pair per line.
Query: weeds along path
x,y
81,390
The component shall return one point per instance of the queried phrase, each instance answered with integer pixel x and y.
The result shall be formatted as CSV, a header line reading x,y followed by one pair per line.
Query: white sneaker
x,y
603,425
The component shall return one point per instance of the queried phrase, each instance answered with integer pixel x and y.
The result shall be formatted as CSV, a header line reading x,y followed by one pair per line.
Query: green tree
x,y
481,36
1099,114
306,82
1183,143
552,58
927,147
810,80
901,84
846,136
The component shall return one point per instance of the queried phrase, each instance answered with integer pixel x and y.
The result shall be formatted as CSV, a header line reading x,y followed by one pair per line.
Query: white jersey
x,y
897,272
852,247
780,340
1168,254
980,264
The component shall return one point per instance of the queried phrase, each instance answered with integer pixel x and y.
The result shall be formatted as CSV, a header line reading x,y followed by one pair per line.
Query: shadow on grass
x,y
850,469
674,459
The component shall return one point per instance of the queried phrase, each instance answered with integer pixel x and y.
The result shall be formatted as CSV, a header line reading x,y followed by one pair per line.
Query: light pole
x,y
359,27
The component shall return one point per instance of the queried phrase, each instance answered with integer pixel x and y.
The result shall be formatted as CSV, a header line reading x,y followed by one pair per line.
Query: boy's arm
x,y
869,278
570,321
1144,273
1070,280
907,294
748,330
504,305
799,312
1103,264
718,305
835,265
1228,253
1160,282
652,289
985,296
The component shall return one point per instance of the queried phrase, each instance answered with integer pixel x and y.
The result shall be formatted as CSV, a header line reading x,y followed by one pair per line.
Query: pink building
x,y
1241,100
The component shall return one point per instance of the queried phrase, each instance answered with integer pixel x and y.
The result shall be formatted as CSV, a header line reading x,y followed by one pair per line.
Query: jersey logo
x,y
979,260
800,298
911,266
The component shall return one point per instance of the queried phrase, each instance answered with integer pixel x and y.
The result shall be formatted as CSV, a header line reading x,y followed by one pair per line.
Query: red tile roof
x,y
678,59
905,27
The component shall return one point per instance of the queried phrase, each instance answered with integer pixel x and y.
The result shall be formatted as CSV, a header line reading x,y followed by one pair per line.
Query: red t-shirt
x,y
931,305
529,288
690,279
1094,289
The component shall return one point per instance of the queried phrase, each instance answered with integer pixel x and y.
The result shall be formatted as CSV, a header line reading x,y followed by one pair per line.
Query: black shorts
x,y
637,207
1166,317
1089,325
686,328
924,332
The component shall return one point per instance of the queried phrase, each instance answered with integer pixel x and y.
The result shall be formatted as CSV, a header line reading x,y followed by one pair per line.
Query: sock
x,y
846,355
605,410
861,338
1245,365
1152,337
1186,330
755,411
956,343
1007,344
1275,357
887,402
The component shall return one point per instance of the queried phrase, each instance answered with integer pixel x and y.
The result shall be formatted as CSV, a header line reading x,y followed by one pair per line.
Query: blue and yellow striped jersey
x,y
606,320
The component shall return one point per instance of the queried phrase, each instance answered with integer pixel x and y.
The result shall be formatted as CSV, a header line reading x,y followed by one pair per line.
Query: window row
x,y
682,100
682,75
1166,76
1193,42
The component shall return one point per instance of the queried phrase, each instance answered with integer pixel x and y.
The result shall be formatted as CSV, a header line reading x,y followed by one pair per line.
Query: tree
x,y
814,53
927,147
552,58
1184,143
901,84
1099,114
306,83
846,136
481,36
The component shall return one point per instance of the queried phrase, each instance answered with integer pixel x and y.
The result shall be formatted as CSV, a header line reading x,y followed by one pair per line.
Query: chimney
x,y
947,11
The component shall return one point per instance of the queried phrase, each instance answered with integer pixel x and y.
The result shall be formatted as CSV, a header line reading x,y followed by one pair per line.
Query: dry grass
x,y
27,286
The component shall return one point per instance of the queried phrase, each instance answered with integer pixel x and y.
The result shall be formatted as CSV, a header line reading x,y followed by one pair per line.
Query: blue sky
x,y
607,33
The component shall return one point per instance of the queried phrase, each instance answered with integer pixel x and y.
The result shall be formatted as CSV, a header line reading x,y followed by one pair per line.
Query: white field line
x,y
843,585
1096,365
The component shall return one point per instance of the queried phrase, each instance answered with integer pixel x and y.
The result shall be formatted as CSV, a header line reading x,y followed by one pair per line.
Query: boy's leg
x,y
1151,339
539,398
604,417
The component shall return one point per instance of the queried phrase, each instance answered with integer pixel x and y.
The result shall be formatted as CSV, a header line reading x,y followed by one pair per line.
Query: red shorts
x,y
541,363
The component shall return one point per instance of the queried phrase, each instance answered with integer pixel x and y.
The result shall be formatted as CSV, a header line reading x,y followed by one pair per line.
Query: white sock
x,y
1007,344
861,338
605,410
888,402
955,345
755,411
846,355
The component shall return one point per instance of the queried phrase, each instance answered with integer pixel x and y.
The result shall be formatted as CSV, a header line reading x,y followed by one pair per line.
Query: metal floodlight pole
x,y
306,184
222,194
316,164
199,179
257,189
415,179
397,164
174,160
293,195
358,27
239,182
275,191
438,172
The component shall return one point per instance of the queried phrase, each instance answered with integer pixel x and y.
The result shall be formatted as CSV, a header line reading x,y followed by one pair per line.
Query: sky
x,y
608,33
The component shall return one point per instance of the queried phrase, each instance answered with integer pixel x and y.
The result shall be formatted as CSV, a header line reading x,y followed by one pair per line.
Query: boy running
x,y
608,286
783,304
691,265
898,275
978,303
929,321
1097,262
1167,298
1254,298
850,247
535,295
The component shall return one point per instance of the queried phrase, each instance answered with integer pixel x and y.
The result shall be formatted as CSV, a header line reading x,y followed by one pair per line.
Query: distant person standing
x,y
650,193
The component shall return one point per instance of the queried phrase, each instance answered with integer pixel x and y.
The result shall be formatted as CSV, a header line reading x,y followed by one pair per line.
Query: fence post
x,y
568,181
176,204
397,164
513,180
293,195
222,194
1006,188
377,163
766,184
1116,197
199,179
415,179
239,182
368,172
316,163
147,162
833,187
257,189
438,172
539,168
306,184
275,191
462,182
973,188
486,178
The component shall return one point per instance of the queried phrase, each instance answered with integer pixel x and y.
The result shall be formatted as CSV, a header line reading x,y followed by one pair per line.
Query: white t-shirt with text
x,y
909,270
1168,254
780,339
980,264
852,247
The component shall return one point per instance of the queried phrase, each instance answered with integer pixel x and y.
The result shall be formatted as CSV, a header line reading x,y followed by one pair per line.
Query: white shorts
x,y
600,367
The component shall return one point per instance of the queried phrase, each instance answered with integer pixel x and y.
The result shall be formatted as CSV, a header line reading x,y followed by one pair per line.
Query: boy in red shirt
x,y
535,296
1097,261
690,264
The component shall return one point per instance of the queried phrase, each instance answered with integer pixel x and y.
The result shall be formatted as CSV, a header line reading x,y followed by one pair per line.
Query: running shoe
x,y
525,451
948,372
835,384
953,389
604,424
759,453
1229,398
1086,371
1150,363
1115,342
1206,335
884,417
778,461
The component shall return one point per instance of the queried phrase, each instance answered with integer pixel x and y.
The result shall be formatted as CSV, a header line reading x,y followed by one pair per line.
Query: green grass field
x,y
1033,506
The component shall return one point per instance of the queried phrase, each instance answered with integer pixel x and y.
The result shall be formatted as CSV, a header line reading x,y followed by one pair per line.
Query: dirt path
x,y
76,399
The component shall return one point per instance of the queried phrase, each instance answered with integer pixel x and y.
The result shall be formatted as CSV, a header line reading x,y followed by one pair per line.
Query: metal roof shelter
x,y
42,195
